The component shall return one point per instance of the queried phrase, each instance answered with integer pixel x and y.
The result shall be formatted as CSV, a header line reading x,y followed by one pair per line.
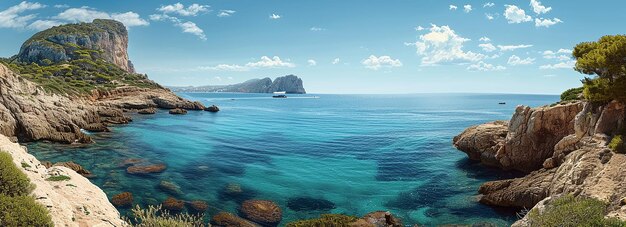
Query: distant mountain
x,y
290,84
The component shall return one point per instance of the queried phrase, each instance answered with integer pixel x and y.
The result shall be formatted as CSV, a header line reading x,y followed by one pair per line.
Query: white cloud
x,y
375,63
561,54
316,29
11,18
336,61
86,14
453,7
226,13
312,62
489,4
484,39
275,16
178,8
540,22
218,78
487,47
512,47
43,24
61,6
443,45
186,26
515,15
264,62
515,60
538,8
274,62
561,65
489,16
419,28
482,66
467,8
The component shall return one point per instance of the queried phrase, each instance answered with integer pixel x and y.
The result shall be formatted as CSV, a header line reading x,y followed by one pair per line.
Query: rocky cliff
x,y
564,149
72,202
59,44
290,84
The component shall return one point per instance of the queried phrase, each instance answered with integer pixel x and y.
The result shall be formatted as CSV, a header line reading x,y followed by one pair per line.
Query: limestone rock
x,y
178,111
382,219
482,142
229,220
76,167
264,212
213,109
147,111
124,199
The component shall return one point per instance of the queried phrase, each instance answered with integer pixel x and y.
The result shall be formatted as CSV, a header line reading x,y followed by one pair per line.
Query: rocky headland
x,y
290,84
562,148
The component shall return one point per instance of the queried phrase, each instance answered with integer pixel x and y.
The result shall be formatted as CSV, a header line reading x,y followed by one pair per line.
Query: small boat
x,y
502,103
280,94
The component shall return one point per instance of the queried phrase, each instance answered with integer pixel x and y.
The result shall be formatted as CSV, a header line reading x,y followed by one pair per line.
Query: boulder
x,y
124,199
264,212
230,220
198,206
146,169
76,167
379,219
147,111
178,111
173,204
212,109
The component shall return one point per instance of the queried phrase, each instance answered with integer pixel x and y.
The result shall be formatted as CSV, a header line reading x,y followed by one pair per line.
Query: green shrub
x,y
335,220
23,211
155,216
617,144
13,182
571,94
572,211
58,178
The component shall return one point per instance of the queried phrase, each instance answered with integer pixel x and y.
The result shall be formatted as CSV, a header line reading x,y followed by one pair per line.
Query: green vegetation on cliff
x,y
337,220
573,211
155,216
606,59
17,207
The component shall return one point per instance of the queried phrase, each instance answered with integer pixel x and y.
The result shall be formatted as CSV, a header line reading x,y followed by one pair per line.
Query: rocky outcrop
x,y
526,142
73,202
573,154
227,220
213,109
290,84
124,199
58,44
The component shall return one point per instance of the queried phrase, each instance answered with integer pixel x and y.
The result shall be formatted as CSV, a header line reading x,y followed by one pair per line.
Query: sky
x,y
348,46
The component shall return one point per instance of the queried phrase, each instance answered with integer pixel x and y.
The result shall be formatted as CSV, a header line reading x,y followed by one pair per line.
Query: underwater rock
x,y
76,167
227,220
146,169
123,199
147,111
173,204
178,111
264,212
233,188
131,161
234,192
170,188
198,206
213,109
308,204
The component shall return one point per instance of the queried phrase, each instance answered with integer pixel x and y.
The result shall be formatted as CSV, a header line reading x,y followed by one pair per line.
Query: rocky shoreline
x,y
562,148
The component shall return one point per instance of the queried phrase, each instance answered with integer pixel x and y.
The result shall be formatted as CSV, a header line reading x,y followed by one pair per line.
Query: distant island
x,y
290,84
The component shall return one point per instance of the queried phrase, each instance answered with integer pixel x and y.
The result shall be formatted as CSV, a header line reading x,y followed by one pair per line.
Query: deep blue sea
x,y
363,153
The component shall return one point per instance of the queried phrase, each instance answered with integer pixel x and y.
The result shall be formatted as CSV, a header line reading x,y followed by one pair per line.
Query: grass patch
x,y
572,211
23,211
58,178
25,165
13,182
155,216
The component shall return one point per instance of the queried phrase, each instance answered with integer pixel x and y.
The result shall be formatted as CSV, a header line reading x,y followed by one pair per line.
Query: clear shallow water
x,y
361,152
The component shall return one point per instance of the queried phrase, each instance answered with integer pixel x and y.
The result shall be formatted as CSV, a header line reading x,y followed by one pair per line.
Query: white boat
x,y
280,94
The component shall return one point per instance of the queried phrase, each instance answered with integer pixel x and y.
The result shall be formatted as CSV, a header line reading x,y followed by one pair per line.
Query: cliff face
x,y
59,43
572,153
74,202
290,84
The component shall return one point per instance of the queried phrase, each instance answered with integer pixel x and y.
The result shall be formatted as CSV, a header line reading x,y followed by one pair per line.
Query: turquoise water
x,y
361,152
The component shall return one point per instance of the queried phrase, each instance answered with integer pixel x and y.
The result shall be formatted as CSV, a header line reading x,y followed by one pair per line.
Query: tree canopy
x,y
605,57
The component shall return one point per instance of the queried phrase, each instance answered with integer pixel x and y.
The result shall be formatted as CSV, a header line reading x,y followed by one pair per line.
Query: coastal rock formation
x,y
572,156
147,111
178,111
76,167
73,202
379,219
527,141
58,43
264,212
290,84
213,109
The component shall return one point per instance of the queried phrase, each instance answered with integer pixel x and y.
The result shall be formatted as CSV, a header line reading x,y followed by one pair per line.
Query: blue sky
x,y
348,46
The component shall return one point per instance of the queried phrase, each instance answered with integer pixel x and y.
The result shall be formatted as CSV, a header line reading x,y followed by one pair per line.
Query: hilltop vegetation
x,y
604,59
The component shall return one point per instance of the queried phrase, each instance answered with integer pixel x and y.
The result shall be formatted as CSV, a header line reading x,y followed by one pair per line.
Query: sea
x,y
312,154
